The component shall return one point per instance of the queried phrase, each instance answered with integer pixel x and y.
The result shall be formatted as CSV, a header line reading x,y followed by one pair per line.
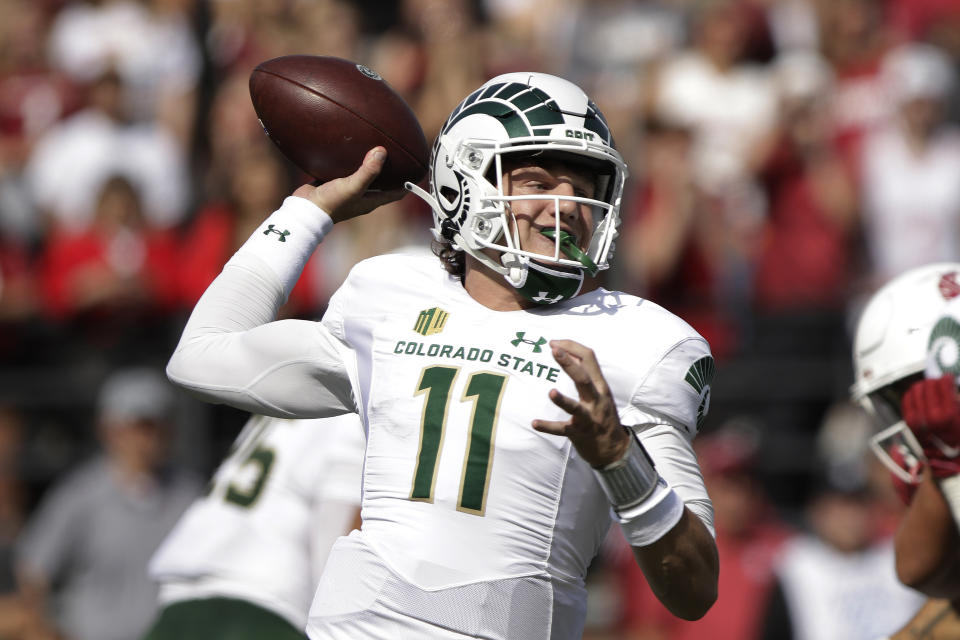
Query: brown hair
x,y
452,259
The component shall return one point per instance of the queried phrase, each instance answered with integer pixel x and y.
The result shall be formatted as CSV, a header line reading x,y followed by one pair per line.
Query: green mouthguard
x,y
571,250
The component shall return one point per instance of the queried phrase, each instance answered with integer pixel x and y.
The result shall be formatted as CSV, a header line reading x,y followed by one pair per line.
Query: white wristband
x,y
288,237
650,520
645,506
950,487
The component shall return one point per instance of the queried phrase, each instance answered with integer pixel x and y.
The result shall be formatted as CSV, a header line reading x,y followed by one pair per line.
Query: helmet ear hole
x,y
449,194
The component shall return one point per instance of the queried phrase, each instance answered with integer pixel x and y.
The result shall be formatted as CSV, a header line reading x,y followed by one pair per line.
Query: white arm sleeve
x,y
233,352
676,462
666,409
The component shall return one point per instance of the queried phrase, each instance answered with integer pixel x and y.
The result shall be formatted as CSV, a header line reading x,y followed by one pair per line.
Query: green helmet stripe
x,y
596,123
506,91
470,99
543,116
592,124
510,119
515,105
489,92
529,99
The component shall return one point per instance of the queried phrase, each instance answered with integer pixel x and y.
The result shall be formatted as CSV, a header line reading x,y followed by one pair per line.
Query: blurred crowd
x,y
787,157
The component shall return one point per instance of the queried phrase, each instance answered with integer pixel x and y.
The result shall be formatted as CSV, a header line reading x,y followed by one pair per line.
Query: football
x,y
325,113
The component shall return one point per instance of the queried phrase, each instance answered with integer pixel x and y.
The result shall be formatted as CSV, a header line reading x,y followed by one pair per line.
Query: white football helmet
x,y
890,353
530,114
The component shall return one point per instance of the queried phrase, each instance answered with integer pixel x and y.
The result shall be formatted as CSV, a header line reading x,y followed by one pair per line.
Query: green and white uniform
x,y
261,534
474,523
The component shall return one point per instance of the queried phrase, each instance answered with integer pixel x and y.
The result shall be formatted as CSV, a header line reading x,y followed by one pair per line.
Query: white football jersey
x,y
286,491
458,488
473,522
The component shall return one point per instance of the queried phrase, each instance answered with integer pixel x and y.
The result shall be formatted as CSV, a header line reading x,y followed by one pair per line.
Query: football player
x,y
920,438
510,404
244,560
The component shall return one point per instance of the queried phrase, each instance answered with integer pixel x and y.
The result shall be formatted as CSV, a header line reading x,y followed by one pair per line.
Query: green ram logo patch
x,y
699,376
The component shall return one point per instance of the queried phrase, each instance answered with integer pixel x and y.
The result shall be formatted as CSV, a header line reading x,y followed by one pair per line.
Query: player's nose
x,y
569,210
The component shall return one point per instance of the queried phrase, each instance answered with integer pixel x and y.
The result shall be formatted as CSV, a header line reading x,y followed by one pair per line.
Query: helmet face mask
x,y
897,448
895,445
524,117
890,353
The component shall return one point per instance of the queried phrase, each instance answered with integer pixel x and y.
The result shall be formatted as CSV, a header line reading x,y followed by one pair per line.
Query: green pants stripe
x,y
220,619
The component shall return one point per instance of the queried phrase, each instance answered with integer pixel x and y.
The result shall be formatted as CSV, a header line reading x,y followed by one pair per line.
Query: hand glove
x,y
931,408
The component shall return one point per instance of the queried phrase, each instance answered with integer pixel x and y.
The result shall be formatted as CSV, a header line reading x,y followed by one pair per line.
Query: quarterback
x,y
512,408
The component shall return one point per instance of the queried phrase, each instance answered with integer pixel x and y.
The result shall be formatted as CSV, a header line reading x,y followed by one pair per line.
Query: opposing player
x,y
920,439
506,409
245,559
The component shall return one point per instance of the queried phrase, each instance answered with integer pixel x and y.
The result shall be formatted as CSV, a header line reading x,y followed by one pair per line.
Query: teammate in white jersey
x,y
506,411
920,440
244,560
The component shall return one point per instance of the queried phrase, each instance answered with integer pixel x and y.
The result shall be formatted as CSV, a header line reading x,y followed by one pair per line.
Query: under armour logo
x,y
544,296
283,234
537,344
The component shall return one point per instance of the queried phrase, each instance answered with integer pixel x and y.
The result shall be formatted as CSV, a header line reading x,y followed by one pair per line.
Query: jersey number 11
x,y
485,390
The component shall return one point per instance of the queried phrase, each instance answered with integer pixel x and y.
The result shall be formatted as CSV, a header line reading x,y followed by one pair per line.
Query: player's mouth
x,y
570,248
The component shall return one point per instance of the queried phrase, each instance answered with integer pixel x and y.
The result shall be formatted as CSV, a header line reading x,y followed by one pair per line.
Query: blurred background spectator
x,y
117,265
910,166
837,579
150,44
81,559
71,161
787,157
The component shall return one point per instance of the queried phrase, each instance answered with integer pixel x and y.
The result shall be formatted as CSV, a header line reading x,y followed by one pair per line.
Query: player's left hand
x,y
931,408
594,426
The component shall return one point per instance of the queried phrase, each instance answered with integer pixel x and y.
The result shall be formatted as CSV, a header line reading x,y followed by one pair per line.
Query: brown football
x,y
325,113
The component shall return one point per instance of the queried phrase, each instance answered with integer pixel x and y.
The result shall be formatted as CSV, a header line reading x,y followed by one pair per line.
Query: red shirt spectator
x,y
116,264
804,259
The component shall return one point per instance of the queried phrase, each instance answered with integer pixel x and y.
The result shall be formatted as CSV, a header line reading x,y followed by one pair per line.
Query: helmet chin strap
x,y
516,269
